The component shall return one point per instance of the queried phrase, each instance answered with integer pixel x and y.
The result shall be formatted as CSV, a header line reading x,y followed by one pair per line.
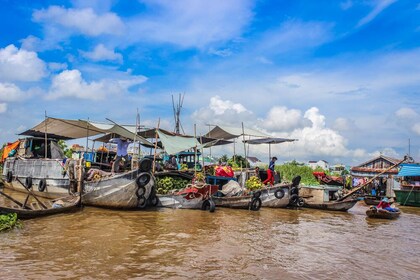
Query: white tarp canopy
x,y
229,132
74,129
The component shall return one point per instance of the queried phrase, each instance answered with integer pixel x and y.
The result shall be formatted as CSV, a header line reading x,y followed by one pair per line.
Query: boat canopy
x,y
268,141
408,169
74,129
228,132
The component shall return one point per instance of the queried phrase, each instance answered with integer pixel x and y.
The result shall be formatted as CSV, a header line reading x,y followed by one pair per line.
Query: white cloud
x,y
191,23
379,6
406,113
10,92
70,83
416,128
295,35
54,66
20,65
85,20
3,107
282,119
219,106
342,124
101,53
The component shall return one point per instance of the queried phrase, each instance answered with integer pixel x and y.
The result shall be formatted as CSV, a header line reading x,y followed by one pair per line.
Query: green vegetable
x,y
9,221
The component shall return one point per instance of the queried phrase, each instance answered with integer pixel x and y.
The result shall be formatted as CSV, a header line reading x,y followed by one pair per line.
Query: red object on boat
x,y
204,191
224,171
327,179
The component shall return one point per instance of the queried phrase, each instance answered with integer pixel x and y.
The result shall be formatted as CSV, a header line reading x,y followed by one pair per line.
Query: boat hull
x,y
70,204
189,198
238,202
408,197
382,214
332,205
118,191
269,199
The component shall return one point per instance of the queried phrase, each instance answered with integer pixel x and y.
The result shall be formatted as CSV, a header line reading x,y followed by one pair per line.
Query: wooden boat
x,y
326,198
373,200
250,202
282,195
192,197
376,213
40,208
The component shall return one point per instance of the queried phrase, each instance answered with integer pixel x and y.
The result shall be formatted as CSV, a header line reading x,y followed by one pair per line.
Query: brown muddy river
x,y
228,244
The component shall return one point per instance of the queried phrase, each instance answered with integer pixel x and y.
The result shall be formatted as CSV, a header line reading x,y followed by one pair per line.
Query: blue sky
x,y
342,77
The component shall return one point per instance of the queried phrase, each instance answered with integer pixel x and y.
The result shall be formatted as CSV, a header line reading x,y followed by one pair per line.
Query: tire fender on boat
x,y
257,194
153,200
300,202
294,190
208,205
145,165
294,198
141,190
42,185
28,182
255,204
9,176
279,193
142,202
143,179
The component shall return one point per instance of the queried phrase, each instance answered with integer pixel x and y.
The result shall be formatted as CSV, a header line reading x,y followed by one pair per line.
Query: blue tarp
x,y
408,169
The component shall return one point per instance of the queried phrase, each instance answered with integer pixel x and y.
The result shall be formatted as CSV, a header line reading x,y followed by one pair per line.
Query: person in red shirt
x,y
270,172
384,204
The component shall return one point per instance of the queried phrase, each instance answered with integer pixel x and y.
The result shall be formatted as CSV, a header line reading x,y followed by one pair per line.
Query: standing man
x,y
122,155
270,172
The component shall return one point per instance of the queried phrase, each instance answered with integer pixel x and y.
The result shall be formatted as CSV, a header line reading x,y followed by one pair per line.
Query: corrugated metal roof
x,y
408,169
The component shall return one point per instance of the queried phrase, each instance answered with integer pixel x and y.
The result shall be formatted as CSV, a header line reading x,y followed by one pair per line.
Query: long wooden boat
x,y
332,205
192,197
326,198
376,213
41,208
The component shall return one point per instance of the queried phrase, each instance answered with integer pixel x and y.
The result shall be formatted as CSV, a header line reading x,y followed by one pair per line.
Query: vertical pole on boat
x,y
156,141
195,151
46,135
243,138
234,149
87,136
210,137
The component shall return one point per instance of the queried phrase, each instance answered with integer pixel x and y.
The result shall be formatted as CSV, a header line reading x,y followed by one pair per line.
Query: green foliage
x,y
290,170
9,221
63,145
238,161
224,158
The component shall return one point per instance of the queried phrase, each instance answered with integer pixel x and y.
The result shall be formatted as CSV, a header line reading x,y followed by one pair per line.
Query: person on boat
x,y
270,172
122,155
384,204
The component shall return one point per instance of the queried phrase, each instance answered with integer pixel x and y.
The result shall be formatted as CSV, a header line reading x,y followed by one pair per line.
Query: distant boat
x,y
374,212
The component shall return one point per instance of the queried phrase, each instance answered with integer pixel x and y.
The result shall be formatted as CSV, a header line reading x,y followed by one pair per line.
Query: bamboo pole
x,y
46,136
156,141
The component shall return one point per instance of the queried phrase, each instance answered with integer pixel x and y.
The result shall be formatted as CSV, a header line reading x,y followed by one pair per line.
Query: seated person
x,y
384,204
171,163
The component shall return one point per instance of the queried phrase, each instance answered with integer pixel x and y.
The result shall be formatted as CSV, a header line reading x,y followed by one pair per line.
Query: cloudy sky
x,y
342,77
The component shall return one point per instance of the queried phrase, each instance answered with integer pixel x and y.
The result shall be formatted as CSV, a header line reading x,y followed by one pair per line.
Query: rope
x,y
408,196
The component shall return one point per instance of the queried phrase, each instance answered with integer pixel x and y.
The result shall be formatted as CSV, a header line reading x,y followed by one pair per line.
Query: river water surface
x,y
228,244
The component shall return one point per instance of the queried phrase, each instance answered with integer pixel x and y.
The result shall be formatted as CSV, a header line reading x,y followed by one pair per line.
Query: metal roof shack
x,y
375,166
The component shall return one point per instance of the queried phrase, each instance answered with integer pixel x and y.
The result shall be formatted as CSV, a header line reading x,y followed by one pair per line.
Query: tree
x,y
63,145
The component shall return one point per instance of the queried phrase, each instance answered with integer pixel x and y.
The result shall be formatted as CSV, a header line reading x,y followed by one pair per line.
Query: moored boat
x,y
31,208
376,213
326,198
373,200
409,192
